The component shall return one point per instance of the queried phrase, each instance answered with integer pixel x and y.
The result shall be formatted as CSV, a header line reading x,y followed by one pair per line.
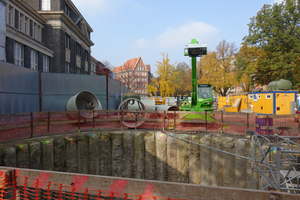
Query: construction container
x,y
130,95
273,102
236,103
223,102
282,84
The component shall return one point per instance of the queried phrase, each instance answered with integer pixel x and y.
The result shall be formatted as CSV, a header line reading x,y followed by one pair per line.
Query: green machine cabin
x,y
201,96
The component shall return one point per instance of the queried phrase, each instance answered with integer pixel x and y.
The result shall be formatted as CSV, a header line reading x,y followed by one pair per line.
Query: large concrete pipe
x,y
166,108
132,104
84,101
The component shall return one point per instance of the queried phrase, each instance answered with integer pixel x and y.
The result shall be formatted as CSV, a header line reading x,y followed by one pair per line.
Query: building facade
x,y
48,35
2,29
135,75
98,68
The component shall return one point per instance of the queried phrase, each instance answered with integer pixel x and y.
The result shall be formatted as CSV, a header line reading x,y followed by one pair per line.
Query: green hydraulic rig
x,y
201,96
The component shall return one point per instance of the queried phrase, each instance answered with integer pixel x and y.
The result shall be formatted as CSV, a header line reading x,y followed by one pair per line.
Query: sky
x,y
126,29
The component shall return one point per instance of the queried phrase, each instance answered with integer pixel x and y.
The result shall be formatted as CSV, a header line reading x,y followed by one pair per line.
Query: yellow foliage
x,y
217,72
167,75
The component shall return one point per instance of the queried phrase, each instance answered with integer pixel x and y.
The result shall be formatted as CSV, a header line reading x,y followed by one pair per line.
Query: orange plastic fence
x,y
28,125
20,187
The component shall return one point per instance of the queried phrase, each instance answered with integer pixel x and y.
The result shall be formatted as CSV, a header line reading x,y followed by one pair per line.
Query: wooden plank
x,y
15,115
277,116
193,121
25,125
241,124
279,128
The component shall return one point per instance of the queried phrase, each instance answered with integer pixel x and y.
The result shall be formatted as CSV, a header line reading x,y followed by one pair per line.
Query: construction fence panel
x,y
115,91
58,88
28,125
19,89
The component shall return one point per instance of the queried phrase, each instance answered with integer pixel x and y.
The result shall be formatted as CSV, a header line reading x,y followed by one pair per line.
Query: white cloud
x,y
181,36
278,1
173,41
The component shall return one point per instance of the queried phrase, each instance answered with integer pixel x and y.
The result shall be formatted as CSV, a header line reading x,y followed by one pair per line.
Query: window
x,y
258,96
18,54
33,30
25,25
67,68
67,38
67,10
21,22
251,96
78,47
78,70
45,5
34,60
45,63
38,33
16,19
10,10
268,96
86,55
30,28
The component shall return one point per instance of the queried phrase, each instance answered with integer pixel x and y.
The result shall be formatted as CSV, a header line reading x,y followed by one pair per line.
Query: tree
x,y
246,66
217,68
166,77
129,78
108,65
275,29
183,79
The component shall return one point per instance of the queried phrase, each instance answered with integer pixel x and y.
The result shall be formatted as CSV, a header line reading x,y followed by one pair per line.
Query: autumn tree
x,y
217,68
183,79
246,65
166,77
275,29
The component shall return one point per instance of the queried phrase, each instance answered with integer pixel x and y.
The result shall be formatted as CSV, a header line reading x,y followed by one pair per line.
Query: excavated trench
x,y
145,154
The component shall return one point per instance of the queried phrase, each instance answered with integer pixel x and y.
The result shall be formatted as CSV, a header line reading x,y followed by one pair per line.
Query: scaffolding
x,y
275,159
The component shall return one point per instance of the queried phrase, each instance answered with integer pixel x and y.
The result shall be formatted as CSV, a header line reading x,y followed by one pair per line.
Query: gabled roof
x,y
131,64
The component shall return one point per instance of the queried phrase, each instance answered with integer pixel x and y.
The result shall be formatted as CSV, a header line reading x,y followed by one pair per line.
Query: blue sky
x,y
126,29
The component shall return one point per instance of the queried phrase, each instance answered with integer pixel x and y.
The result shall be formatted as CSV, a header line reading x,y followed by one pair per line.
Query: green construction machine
x,y
201,97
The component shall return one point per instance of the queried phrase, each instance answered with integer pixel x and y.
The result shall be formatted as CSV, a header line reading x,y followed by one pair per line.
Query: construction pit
x,y
206,159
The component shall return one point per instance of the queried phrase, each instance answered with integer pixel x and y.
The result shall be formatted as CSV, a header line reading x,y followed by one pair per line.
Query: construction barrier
x,y
16,183
29,125
15,186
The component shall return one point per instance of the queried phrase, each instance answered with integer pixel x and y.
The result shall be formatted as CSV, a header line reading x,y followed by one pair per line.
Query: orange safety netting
x,y
20,187
28,125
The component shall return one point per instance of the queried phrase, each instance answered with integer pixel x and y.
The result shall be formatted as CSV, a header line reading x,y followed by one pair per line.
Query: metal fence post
x,y
205,121
268,124
48,124
221,121
31,124
174,120
93,120
247,120
164,120
122,119
78,121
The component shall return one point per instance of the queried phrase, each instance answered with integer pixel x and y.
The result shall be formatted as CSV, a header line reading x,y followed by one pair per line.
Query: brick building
x,y
135,75
48,35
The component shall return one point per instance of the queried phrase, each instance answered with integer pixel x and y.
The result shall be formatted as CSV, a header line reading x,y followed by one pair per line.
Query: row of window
x,y
23,23
258,96
77,47
67,69
137,79
19,58
140,91
123,74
